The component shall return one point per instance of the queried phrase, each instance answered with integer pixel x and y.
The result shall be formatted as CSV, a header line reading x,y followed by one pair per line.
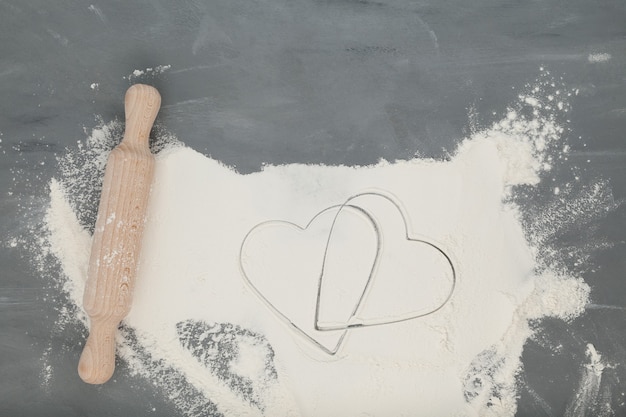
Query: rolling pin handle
x,y
141,105
97,362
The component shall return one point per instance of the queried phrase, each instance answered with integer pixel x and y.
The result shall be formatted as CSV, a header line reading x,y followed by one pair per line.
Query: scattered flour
x,y
198,330
600,57
150,71
588,388
98,12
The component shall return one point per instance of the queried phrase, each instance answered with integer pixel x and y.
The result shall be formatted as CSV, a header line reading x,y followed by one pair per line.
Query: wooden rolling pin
x,y
117,237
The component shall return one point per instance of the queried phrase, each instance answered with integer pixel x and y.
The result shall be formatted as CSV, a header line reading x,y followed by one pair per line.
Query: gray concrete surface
x,y
313,81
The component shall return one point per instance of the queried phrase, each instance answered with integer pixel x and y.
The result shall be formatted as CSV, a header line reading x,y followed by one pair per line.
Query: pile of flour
x,y
200,330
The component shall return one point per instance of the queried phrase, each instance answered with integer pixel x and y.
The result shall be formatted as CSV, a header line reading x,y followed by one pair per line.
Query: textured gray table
x,y
333,60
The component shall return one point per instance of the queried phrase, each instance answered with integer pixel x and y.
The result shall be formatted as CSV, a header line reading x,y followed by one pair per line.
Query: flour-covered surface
x,y
214,314
260,86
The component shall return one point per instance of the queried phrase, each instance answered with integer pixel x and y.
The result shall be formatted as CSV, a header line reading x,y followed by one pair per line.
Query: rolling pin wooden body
x,y
117,237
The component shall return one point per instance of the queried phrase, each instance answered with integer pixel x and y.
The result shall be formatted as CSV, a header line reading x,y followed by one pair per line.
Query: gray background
x,y
336,82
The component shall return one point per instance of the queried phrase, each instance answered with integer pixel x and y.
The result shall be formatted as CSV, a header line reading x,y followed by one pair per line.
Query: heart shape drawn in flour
x,y
283,263
406,282
368,235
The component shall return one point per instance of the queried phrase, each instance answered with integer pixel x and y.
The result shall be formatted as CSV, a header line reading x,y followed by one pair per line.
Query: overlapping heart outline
x,y
282,316
353,321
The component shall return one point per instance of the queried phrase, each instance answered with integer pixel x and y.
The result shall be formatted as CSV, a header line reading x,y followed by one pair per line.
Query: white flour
x,y
589,386
147,72
600,57
199,331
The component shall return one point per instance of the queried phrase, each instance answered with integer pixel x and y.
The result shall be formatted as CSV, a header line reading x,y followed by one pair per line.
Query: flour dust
x,y
218,344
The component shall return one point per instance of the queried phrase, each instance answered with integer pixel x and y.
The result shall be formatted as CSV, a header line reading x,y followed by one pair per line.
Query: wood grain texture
x,y
117,237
